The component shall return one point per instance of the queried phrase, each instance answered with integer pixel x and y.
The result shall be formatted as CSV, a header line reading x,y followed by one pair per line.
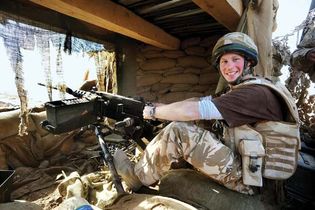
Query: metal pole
x,y
108,158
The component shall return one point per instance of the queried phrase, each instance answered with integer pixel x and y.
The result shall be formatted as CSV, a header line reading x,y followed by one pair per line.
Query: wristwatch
x,y
152,113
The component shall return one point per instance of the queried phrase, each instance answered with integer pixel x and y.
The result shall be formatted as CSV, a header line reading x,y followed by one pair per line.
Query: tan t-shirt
x,y
249,104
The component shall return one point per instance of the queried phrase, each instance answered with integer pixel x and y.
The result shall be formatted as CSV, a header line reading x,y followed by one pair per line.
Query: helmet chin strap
x,y
246,71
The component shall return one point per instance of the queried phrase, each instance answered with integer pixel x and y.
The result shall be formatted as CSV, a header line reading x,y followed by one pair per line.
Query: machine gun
x,y
88,109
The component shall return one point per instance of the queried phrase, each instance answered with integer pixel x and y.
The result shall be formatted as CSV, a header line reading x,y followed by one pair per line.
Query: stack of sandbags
x,y
172,75
35,147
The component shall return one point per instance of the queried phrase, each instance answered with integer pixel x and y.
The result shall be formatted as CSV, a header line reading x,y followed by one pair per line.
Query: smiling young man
x,y
251,107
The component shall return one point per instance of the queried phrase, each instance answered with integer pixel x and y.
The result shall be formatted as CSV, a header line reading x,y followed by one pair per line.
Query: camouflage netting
x,y
261,22
280,57
106,71
299,83
36,156
17,36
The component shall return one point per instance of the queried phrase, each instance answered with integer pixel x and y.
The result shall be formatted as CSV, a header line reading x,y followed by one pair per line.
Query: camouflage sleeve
x,y
298,60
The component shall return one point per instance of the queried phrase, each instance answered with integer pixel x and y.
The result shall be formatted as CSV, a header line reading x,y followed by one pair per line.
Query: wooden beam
x,y
113,17
226,12
28,13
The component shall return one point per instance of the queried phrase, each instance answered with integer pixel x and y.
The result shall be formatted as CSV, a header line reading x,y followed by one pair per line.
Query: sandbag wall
x,y
38,148
171,75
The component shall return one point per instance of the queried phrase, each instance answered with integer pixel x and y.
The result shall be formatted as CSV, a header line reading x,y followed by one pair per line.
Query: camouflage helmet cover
x,y
235,42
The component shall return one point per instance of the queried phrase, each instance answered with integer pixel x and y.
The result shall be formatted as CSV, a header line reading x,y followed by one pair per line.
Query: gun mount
x,y
89,109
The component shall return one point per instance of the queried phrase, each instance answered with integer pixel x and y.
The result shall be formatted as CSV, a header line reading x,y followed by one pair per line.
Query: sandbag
x,y
176,70
73,186
180,87
3,159
148,79
173,53
20,205
195,50
193,61
97,188
178,96
9,124
192,70
21,151
145,201
148,96
76,203
182,78
153,54
158,64
37,118
208,78
51,143
159,86
199,190
200,88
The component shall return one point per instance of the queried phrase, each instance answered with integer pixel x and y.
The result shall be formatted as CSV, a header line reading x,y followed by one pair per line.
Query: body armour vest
x,y
269,148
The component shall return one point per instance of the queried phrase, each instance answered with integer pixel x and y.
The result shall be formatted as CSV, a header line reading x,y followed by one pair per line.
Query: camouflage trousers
x,y
199,147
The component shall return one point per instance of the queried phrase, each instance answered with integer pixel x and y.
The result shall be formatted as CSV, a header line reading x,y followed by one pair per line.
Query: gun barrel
x,y
77,93
53,87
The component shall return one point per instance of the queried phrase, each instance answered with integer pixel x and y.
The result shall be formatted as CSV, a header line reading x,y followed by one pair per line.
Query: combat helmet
x,y
235,42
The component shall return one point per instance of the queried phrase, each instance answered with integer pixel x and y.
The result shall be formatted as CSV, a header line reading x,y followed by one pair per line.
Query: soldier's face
x,y
231,66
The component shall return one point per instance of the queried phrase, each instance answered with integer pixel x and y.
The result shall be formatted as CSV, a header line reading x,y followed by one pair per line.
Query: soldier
x,y
303,58
261,137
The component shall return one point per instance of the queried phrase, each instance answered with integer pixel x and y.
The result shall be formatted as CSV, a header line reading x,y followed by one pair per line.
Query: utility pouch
x,y
282,142
252,152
